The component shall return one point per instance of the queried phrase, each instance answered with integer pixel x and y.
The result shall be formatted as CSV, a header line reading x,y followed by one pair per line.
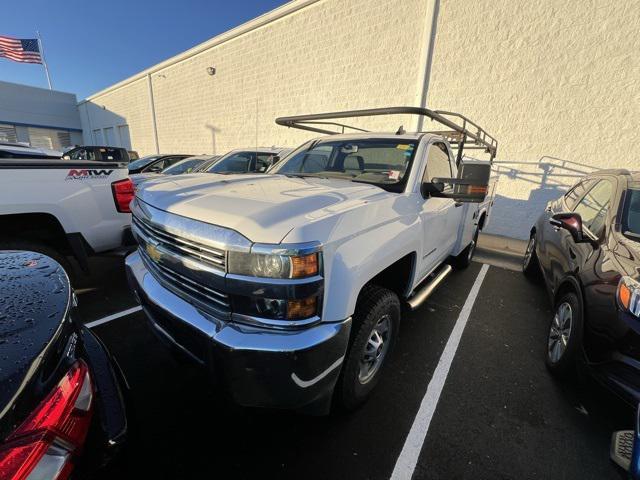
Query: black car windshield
x,y
382,162
184,166
631,217
142,162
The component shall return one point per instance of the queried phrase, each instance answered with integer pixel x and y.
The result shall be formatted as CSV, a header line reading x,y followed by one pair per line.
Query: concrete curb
x,y
500,244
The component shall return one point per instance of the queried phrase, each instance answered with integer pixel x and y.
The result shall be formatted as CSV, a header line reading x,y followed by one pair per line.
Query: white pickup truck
x,y
289,286
62,207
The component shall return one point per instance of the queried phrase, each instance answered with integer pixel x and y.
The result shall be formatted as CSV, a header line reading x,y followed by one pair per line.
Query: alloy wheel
x,y
375,349
559,332
528,254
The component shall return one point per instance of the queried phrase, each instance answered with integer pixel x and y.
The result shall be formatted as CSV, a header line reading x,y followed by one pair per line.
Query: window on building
x,y
109,137
49,138
125,138
97,137
8,133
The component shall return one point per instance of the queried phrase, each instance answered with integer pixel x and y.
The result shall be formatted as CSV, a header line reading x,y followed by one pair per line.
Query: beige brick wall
x,y
556,81
330,55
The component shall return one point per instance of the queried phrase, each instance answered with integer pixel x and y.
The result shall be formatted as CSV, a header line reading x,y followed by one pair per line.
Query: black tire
x,y
565,364
465,257
34,246
530,262
375,305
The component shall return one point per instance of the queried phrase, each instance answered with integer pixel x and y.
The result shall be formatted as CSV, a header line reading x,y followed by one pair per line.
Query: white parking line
x,y
108,318
406,463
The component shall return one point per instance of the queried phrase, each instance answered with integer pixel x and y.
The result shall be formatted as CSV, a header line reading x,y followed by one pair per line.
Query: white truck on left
x,y
62,208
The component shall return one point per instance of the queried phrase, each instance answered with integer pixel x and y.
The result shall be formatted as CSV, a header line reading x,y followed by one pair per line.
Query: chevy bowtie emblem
x,y
153,252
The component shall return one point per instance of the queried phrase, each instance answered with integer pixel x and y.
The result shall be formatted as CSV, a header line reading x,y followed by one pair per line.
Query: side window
x,y
573,195
594,206
263,162
438,163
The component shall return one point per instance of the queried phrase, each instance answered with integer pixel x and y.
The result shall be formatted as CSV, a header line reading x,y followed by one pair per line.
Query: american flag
x,y
20,50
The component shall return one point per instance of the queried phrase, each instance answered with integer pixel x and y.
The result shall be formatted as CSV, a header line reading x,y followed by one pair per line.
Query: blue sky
x,y
92,44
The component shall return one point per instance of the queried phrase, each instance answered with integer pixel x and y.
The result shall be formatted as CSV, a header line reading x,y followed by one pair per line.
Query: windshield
x,y
141,162
184,166
243,162
631,216
382,162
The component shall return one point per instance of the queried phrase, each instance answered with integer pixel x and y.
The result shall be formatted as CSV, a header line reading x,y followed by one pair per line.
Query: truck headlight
x,y
274,265
629,295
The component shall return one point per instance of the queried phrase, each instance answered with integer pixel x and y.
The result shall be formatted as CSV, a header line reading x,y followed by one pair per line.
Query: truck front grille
x,y
206,254
206,297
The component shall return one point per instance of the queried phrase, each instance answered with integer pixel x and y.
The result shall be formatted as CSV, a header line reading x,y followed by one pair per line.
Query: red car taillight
x,y
43,444
123,193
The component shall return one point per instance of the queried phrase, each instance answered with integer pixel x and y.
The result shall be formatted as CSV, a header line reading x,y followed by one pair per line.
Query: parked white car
x,y
63,207
289,285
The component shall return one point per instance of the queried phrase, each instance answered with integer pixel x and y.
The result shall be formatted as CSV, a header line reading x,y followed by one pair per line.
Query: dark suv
x,y
586,246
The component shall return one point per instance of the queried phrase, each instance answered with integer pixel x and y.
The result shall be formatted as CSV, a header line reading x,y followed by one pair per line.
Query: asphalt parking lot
x,y
499,414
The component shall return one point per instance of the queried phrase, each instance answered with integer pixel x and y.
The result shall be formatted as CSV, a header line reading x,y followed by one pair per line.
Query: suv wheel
x,y
565,333
530,263
374,332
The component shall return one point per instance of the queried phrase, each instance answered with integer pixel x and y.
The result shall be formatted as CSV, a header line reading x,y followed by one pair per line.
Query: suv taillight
x,y
123,193
42,446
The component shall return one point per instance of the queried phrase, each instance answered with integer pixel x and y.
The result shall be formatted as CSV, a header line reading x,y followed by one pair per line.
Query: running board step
x,y
423,292
622,448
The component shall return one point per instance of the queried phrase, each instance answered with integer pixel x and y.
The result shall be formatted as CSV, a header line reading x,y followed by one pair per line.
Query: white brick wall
x,y
330,55
556,81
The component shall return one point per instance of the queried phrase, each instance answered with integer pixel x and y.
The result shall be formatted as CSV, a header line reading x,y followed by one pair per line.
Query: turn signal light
x,y
304,266
298,309
629,295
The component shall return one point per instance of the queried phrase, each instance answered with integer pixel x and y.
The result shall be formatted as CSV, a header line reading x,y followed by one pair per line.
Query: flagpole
x,y
44,62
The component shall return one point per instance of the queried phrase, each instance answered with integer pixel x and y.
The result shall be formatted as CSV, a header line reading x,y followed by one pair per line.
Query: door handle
x,y
458,204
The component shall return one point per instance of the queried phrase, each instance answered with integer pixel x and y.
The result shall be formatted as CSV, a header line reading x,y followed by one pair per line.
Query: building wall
x,y
319,56
556,82
30,111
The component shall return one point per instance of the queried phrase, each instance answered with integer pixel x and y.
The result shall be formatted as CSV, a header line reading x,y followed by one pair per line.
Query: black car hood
x,y
35,297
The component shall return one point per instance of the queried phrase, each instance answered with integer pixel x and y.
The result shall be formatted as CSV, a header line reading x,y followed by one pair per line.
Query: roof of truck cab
x,y
376,135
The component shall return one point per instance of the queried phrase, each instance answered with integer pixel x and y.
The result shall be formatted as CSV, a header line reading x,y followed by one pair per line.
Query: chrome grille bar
x,y
184,286
206,254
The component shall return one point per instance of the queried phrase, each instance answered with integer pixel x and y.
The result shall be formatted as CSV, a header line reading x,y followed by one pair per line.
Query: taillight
x,y
42,446
123,193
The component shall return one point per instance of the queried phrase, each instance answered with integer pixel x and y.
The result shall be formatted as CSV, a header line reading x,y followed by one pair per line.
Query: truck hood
x,y
263,208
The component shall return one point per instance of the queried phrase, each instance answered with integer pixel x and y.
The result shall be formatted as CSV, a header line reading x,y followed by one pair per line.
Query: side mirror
x,y
66,157
471,186
155,169
432,189
572,223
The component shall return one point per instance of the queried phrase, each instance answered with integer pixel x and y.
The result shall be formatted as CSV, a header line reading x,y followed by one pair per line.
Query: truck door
x,y
441,217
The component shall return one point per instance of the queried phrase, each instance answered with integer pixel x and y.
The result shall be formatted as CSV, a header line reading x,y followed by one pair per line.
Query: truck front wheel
x,y
374,331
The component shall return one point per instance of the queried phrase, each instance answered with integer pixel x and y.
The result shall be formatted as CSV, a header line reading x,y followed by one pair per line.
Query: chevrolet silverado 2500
x,y
289,286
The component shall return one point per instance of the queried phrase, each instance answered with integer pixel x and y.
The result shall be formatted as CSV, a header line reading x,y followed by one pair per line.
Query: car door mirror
x,y
432,189
155,169
66,157
572,223
471,185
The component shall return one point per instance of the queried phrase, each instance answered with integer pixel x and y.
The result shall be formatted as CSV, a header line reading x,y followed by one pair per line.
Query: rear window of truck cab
x,y
382,162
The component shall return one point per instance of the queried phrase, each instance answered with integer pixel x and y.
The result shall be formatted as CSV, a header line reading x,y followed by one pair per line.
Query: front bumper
x,y
258,367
